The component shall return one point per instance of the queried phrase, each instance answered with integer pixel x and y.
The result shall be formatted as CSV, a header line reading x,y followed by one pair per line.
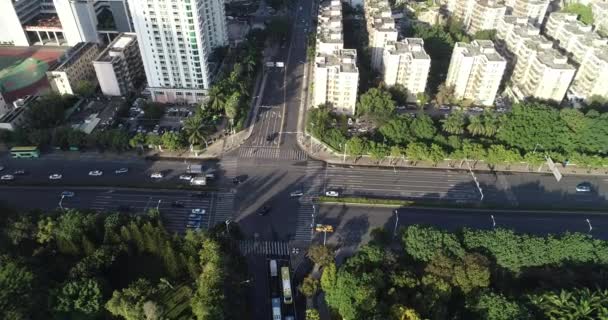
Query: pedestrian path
x,y
272,153
266,248
223,208
304,220
229,165
315,176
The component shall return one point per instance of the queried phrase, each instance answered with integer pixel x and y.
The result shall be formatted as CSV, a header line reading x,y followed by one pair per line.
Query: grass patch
x,y
177,303
364,200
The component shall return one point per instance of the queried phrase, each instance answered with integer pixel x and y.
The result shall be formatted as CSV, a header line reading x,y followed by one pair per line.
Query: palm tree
x,y
195,131
454,123
490,124
475,126
217,99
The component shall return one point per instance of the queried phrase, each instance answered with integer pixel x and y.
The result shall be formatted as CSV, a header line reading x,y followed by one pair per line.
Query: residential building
x,y
406,63
592,76
534,10
540,72
380,29
59,22
175,39
119,68
512,31
75,66
600,16
336,80
485,16
17,115
475,71
573,36
329,30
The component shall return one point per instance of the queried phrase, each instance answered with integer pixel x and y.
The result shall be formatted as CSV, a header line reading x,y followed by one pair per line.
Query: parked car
x,y
156,175
583,187
68,194
263,210
185,177
332,193
193,225
198,211
55,176
96,173
7,177
195,217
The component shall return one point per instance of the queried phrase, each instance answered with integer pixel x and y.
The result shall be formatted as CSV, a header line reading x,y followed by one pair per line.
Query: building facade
x,y
535,10
119,68
600,16
75,66
380,29
406,63
59,22
329,30
336,80
477,15
475,72
175,40
573,36
540,71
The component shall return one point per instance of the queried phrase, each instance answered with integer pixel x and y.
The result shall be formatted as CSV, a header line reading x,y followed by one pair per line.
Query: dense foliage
x,y
472,274
585,13
525,134
83,265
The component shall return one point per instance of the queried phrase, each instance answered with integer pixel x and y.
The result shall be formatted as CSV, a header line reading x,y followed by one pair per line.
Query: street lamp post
x,y
227,222
61,202
312,226
474,179
396,212
158,204
493,221
589,223
324,236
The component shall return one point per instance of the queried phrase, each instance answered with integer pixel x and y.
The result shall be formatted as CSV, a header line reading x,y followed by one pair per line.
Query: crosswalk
x,y
272,153
229,165
266,248
223,208
306,209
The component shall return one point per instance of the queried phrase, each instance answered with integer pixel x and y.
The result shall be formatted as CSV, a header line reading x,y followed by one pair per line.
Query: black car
x,y
177,204
263,210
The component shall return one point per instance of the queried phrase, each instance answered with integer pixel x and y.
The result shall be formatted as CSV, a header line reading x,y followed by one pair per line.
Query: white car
x,y
122,170
332,193
7,177
198,211
296,193
55,176
185,177
68,194
96,173
156,175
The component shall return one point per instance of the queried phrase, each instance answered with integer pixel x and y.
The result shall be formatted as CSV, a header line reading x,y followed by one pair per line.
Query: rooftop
x,y
480,48
413,46
345,59
74,54
116,47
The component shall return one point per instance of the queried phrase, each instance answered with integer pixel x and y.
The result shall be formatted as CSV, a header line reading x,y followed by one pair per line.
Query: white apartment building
x,y
600,16
119,68
475,71
512,31
329,30
336,80
540,71
380,28
592,76
534,10
477,15
406,63
573,36
59,22
175,38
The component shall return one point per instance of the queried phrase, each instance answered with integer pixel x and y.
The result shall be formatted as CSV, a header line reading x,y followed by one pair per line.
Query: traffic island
x,y
366,201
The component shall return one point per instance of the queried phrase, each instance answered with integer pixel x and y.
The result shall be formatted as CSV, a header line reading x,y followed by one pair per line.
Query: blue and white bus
x,y
276,309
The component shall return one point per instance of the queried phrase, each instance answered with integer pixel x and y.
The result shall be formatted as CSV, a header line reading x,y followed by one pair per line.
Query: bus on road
x,y
276,309
287,299
25,152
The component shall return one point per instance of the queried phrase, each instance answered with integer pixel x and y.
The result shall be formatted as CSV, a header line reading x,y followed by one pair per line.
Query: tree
x,y
468,273
84,88
454,123
80,296
377,104
585,14
231,108
152,310
490,123
423,127
128,302
46,230
422,98
171,141
320,255
416,151
399,312
138,140
328,278
217,98
355,147
378,151
309,287
423,243
445,95
475,126
47,111
436,154
17,283
397,130
153,111
196,131
395,153
20,229
208,300
495,306
485,35
312,314
573,304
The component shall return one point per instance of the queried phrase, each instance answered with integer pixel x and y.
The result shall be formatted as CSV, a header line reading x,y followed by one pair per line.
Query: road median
x,y
366,201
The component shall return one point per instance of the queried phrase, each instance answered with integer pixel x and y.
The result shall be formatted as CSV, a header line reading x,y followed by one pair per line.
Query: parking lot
x,y
171,119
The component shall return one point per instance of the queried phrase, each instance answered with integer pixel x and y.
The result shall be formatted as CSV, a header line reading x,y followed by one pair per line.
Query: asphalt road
x,y
354,224
109,200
